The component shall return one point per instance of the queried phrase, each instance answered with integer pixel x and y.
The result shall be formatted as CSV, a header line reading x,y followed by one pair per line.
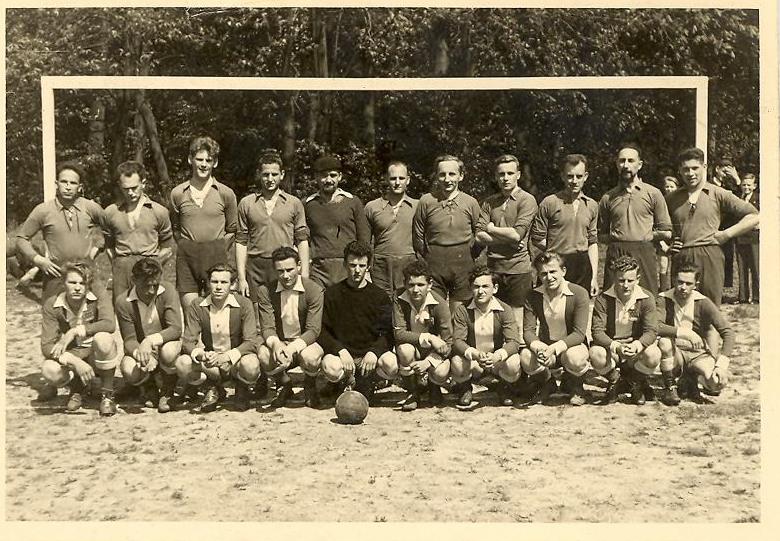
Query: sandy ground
x,y
694,463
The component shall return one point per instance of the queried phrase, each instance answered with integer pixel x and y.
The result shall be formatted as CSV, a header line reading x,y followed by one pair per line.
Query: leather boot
x,y
435,398
669,396
165,404
75,397
242,396
310,393
613,384
543,385
635,385
412,385
465,394
576,390
504,392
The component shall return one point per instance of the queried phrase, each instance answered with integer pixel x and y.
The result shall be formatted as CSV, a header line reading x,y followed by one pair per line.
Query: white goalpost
x,y
51,83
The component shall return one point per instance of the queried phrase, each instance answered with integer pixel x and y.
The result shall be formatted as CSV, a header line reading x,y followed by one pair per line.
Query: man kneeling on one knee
x,y
561,309
685,315
290,319
150,323
220,339
423,335
76,338
624,331
485,339
357,328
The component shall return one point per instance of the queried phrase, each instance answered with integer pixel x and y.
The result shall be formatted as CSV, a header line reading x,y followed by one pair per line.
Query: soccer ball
x,y
351,408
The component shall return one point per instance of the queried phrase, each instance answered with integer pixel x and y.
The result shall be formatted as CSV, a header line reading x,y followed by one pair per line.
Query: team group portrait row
x,y
433,294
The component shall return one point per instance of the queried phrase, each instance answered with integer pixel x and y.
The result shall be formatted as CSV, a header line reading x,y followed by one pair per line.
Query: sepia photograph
x,y
289,266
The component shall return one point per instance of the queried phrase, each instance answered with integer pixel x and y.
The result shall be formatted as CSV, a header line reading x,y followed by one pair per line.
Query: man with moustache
x,y
70,225
390,220
504,226
633,215
697,212
135,228
268,220
444,229
567,224
335,218
204,217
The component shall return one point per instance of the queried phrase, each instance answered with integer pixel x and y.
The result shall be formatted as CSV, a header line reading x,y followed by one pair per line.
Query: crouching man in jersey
x,y
422,326
220,339
290,320
357,328
684,316
561,310
485,339
150,323
624,331
76,338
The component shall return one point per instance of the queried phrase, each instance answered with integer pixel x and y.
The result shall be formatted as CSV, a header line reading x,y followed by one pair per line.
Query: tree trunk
x,y
288,148
369,117
97,126
442,57
314,115
150,124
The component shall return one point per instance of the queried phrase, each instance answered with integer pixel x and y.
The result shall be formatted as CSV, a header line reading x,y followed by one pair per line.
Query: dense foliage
x,y
103,128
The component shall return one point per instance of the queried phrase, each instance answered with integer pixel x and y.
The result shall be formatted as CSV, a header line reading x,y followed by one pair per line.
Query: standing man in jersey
x,y
697,211
335,218
204,216
266,221
390,220
135,228
632,215
70,225
567,224
444,229
504,225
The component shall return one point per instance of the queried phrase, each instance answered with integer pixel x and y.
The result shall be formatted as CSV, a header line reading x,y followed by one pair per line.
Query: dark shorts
x,y
259,271
514,288
122,272
710,261
644,253
578,269
327,271
387,272
450,267
194,259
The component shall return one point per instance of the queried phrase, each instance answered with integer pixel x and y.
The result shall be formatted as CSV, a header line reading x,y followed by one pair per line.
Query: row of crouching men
x,y
353,335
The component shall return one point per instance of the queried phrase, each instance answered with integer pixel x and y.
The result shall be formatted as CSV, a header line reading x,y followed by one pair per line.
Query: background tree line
x,y
103,128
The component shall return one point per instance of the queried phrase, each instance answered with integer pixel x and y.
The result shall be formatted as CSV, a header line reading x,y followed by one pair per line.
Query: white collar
x,y
298,286
229,301
695,296
636,294
133,294
493,306
429,300
565,290
209,183
338,191
60,301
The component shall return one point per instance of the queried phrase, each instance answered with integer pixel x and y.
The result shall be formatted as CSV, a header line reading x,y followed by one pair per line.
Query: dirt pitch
x,y
694,463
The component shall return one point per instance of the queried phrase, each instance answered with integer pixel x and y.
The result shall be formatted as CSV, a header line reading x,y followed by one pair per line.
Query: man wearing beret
x,y
335,218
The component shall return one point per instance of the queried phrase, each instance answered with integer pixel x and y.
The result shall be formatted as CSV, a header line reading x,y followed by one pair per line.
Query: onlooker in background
x,y
390,220
748,247
70,225
670,184
726,177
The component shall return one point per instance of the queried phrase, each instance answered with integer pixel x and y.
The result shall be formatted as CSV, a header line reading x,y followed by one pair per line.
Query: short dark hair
x,y
204,143
724,161
269,156
692,153
418,267
624,263
358,248
448,158
506,158
573,160
221,267
82,267
548,257
482,270
146,268
71,166
632,145
131,167
689,266
285,252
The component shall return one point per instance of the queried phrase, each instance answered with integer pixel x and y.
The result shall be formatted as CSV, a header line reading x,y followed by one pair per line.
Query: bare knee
x,y
248,368
130,370
310,359
575,360
387,366
406,354
666,346
169,352
54,373
104,346
510,369
332,368
460,368
440,374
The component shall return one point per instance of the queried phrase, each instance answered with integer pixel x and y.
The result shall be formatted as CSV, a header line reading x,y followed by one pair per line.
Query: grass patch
x,y
695,450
